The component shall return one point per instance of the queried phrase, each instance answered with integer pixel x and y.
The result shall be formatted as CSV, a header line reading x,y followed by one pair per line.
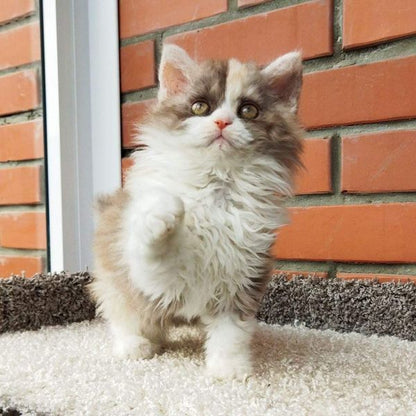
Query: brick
x,y
315,178
131,116
360,94
137,66
19,46
360,233
23,230
20,185
11,9
246,3
19,92
263,37
374,21
379,162
303,273
126,163
382,278
142,16
18,265
21,141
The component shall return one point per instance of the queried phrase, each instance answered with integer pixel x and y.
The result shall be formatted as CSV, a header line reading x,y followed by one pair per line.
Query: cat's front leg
x,y
156,219
159,216
228,347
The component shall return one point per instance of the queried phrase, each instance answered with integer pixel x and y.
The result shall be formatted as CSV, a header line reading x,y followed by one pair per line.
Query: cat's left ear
x,y
175,71
285,76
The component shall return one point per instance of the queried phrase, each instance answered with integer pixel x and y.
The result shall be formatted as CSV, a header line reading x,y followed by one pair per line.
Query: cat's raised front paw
x,y
163,217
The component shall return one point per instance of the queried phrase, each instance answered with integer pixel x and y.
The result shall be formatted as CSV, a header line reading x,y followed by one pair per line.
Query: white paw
x,y
134,347
164,215
224,368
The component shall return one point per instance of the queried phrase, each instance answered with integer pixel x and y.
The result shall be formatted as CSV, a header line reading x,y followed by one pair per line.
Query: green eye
x,y
200,108
248,111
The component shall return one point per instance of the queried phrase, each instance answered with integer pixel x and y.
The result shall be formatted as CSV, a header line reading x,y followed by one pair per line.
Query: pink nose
x,y
222,124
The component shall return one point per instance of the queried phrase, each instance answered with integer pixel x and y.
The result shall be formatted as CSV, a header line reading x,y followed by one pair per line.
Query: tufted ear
x,y
284,75
175,71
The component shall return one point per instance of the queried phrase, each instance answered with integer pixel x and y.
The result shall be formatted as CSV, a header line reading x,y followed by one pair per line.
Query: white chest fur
x,y
228,226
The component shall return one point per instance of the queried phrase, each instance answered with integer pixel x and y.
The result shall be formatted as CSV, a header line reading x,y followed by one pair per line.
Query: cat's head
x,y
227,108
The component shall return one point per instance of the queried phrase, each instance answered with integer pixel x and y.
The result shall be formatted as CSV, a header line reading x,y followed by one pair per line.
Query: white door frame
x,y
83,145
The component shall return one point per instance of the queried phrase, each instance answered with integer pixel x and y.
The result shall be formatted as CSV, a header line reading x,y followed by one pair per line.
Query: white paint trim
x,y
50,62
82,121
105,96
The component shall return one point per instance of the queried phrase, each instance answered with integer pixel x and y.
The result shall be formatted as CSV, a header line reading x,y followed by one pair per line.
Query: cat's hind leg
x,y
135,335
136,330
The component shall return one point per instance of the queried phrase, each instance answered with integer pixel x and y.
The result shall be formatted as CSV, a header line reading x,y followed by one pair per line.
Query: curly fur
x,y
189,236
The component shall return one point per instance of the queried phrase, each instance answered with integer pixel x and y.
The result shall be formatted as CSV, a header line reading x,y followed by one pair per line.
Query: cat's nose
x,y
222,123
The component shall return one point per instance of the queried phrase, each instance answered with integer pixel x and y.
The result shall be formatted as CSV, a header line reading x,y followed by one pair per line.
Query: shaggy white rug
x,y
69,371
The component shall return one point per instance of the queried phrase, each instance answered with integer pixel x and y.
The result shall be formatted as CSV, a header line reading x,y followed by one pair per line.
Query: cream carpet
x,y
68,370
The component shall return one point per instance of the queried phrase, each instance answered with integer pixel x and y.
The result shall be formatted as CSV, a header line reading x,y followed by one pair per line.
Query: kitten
x,y
189,235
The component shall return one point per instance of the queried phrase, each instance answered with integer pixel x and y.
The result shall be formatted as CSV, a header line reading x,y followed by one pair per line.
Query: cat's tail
x,y
101,202
105,201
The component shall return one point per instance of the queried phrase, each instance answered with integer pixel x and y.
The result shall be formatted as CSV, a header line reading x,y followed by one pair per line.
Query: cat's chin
x,y
221,142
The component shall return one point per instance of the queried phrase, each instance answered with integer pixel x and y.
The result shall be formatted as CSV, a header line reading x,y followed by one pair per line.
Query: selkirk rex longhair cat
x,y
189,235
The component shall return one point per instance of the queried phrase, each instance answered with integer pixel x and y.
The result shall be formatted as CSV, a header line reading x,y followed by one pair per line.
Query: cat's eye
x,y
200,108
248,111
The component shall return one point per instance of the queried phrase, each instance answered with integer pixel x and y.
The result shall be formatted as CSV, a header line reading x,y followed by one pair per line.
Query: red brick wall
x,y
22,212
355,209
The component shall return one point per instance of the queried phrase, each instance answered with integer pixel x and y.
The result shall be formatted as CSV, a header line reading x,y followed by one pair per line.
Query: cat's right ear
x,y
175,71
